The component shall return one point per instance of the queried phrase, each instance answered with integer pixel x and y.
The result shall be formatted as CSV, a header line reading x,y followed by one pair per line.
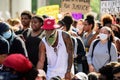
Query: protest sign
x,y
110,6
52,10
81,6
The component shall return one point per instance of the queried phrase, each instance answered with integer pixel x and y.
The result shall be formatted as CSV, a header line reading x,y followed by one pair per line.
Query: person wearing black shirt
x,y
33,37
17,45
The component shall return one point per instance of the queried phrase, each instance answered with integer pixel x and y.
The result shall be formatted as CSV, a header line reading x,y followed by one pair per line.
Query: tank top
x,y
57,60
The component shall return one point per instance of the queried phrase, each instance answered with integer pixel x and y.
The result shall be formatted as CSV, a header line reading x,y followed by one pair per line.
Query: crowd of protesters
x,y
37,47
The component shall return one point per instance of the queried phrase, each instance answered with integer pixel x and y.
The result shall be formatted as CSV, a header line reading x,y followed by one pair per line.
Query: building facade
x,y
13,8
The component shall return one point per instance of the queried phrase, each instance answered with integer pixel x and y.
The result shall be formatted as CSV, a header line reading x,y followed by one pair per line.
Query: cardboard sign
x,y
81,6
110,6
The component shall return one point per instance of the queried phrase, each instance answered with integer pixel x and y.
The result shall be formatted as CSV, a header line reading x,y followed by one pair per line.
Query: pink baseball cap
x,y
49,24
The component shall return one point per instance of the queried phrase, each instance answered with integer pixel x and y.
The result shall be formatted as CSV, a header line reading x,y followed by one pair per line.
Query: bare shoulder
x,y
42,45
67,39
65,35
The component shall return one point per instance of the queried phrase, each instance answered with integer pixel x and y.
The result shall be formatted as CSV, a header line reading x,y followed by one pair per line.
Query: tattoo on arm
x,y
69,47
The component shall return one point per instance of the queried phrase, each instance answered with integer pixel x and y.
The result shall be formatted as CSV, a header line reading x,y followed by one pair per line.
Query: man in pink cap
x,y
57,46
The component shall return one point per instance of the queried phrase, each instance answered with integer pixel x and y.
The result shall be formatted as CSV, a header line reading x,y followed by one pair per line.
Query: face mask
x,y
7,34
103,36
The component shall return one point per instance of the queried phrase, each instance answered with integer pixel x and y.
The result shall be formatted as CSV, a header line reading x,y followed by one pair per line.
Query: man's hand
x,y
68,76
91,68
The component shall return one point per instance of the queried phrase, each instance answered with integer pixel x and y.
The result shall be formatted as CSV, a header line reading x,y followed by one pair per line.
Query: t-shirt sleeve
x,y
113,52
89,54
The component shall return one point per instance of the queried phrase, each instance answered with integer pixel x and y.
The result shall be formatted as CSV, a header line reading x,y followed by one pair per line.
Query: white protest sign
x,y
110,6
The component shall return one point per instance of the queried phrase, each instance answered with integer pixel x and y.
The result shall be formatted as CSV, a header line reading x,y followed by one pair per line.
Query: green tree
x,y
52,2
95,5
34,6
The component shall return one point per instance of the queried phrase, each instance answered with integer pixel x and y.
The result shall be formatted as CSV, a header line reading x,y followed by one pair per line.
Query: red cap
x,y
49,24
18,62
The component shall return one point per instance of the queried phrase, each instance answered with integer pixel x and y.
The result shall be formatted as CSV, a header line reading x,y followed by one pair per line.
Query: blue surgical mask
x,y
7,34
103,36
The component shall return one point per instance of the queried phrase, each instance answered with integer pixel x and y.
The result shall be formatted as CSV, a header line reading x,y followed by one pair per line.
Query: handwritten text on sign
x,y
110,6
75,6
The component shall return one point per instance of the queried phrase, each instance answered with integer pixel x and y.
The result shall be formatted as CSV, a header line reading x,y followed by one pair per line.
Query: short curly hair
x,y
106,19
28,13
90,20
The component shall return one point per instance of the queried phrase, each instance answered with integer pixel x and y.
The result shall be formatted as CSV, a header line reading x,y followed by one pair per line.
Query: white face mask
x,y
103,36
7,34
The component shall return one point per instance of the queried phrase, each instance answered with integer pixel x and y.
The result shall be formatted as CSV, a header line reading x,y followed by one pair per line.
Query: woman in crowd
x,y
100,55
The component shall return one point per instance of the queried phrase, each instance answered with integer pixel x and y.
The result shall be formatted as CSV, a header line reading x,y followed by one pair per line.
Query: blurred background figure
x,y
25,20
19,68
80,27
80,76
41,75
108,68
17,45
4,49
15,24
88,24
93,76
116,72
56,78
74,27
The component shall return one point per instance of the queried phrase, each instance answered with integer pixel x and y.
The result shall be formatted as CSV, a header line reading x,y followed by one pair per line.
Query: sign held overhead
x,y
82,6
110,6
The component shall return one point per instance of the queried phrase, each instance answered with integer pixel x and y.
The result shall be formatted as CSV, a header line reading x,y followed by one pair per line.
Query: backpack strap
x,y
26,33
109,46
42,34
75,46
80,47
94,44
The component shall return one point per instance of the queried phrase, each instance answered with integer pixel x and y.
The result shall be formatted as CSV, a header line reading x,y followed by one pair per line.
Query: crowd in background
x,y
39,48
